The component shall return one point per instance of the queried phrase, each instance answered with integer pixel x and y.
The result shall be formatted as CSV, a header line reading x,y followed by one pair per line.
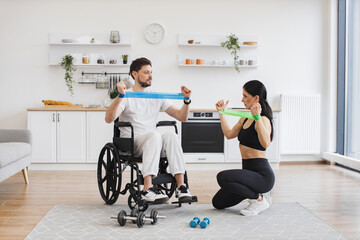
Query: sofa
x,y
15,152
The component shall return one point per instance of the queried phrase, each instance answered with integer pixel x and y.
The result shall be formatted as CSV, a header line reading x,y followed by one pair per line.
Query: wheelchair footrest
x,y
193,199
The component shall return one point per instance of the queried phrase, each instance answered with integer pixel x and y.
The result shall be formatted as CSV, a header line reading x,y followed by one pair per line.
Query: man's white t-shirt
x,y
142,113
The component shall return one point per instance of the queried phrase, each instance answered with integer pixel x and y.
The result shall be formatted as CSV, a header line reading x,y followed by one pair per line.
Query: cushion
x,y
12,151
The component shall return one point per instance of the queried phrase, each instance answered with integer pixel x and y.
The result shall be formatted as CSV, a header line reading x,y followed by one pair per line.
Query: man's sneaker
x,y
183,193
154,196
255,207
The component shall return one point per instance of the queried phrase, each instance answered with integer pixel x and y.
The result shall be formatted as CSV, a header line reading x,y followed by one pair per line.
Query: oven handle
x,y
202,121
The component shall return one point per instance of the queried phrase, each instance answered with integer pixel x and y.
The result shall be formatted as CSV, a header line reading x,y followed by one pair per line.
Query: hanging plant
x,y
67,63
232,43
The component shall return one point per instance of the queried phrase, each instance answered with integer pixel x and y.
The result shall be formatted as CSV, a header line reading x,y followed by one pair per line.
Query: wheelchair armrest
x,y
167,123
123,124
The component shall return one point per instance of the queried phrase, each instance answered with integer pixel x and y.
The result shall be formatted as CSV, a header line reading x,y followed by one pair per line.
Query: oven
x,y
202,139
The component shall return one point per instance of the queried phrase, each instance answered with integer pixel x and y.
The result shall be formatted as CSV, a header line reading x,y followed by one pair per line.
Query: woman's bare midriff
x,y
247,152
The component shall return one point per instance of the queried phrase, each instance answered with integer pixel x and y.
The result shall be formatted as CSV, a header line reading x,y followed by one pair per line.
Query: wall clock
x,y
154,33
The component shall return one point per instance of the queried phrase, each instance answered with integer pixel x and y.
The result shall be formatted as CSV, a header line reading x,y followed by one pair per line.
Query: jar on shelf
x,y
112,60
114,37
85,58
101,59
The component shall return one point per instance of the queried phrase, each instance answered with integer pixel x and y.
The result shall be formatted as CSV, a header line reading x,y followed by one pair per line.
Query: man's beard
x,y
144,84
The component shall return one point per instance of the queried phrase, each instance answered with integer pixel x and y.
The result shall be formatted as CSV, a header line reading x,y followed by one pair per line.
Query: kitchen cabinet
x,y
79,136
43,130
58,136
207,48
232,152
80,44
98,134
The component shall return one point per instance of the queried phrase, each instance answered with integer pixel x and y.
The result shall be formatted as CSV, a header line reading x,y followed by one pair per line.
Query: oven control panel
x,y
204,115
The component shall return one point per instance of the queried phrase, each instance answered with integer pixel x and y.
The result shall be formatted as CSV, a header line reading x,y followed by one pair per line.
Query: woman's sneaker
x,y
244,203
255,207
183,193
268,197
154,196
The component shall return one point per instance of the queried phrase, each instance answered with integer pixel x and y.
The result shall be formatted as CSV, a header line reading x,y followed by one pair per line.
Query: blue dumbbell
x,y
204,223
194,222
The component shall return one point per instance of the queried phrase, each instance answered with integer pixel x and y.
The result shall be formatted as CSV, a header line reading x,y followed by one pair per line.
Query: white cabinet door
x,y
99,133
42,125
232,151
71,137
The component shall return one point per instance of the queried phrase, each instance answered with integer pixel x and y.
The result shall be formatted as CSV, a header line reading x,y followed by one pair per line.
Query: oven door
x,y
202,136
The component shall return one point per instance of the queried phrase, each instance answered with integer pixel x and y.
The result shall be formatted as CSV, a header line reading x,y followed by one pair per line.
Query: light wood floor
x,y
330,192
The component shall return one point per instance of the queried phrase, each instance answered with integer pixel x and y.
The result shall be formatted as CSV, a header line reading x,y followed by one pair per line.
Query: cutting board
x,y
64,106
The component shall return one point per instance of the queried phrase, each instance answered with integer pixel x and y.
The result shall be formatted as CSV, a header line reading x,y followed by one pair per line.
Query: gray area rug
x,y
90,222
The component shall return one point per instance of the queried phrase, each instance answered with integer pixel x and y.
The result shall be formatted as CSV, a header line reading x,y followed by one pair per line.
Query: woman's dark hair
x,y
137,64
255,87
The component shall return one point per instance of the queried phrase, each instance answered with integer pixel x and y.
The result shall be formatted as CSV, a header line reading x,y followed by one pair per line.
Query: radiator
x,y
300,124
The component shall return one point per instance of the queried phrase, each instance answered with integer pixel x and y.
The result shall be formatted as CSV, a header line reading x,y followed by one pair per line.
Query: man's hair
x,y
137,64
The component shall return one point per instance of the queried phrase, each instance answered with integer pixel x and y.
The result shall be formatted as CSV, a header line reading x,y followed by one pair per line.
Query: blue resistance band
x,y
156,95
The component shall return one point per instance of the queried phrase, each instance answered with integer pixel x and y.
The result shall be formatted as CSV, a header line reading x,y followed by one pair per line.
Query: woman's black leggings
x,y
236,185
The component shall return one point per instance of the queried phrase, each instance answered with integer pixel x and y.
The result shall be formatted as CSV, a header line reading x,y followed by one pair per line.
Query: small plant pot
x,y
125,61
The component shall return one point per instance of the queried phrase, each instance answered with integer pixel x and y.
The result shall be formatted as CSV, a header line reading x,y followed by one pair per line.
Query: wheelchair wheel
x,y
133,202
109,173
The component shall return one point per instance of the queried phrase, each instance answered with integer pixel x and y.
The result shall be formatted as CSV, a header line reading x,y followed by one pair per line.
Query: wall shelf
x,y
82,45
216,65
91,44
94,65
214,45
207,47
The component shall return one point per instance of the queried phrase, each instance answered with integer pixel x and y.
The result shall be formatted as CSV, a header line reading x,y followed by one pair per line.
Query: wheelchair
x,y
117,156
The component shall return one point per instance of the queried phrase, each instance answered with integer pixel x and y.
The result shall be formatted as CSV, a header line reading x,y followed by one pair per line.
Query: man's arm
x,y
182,113
179,114
114,110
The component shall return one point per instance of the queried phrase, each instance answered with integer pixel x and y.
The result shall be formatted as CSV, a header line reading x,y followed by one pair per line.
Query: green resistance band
x,y
240,114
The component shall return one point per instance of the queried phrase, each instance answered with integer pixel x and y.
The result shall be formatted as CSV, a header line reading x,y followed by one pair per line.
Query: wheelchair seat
x,y
115,157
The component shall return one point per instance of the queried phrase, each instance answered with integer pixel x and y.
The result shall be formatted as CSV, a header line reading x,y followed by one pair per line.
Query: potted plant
x,y
113,93
125,58
67,63
232,43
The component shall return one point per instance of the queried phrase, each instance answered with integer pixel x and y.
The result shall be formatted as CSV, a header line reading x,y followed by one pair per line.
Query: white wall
x,y
293,53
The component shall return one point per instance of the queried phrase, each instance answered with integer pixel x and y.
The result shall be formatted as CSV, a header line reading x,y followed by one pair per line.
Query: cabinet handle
x,y
53,117
58,117
202,158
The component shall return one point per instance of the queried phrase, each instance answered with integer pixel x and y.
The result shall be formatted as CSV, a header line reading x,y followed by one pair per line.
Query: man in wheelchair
x,y
148,142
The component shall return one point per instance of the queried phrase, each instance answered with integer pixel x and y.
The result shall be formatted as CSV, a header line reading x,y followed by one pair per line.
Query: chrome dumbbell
x,y
155,216
140,219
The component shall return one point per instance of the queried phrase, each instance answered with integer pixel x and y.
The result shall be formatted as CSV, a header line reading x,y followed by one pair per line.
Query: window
x,y
348,122
352,114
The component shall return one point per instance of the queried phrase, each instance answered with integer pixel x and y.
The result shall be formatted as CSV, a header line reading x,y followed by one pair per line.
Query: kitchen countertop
x,y
64,108
67,109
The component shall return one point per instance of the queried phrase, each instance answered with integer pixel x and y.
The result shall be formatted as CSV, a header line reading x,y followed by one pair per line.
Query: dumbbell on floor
x,y
194,222
205,222
139,219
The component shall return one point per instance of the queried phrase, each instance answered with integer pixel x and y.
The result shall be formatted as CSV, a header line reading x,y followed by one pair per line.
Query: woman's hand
x,y
221,105
121,86
255,109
